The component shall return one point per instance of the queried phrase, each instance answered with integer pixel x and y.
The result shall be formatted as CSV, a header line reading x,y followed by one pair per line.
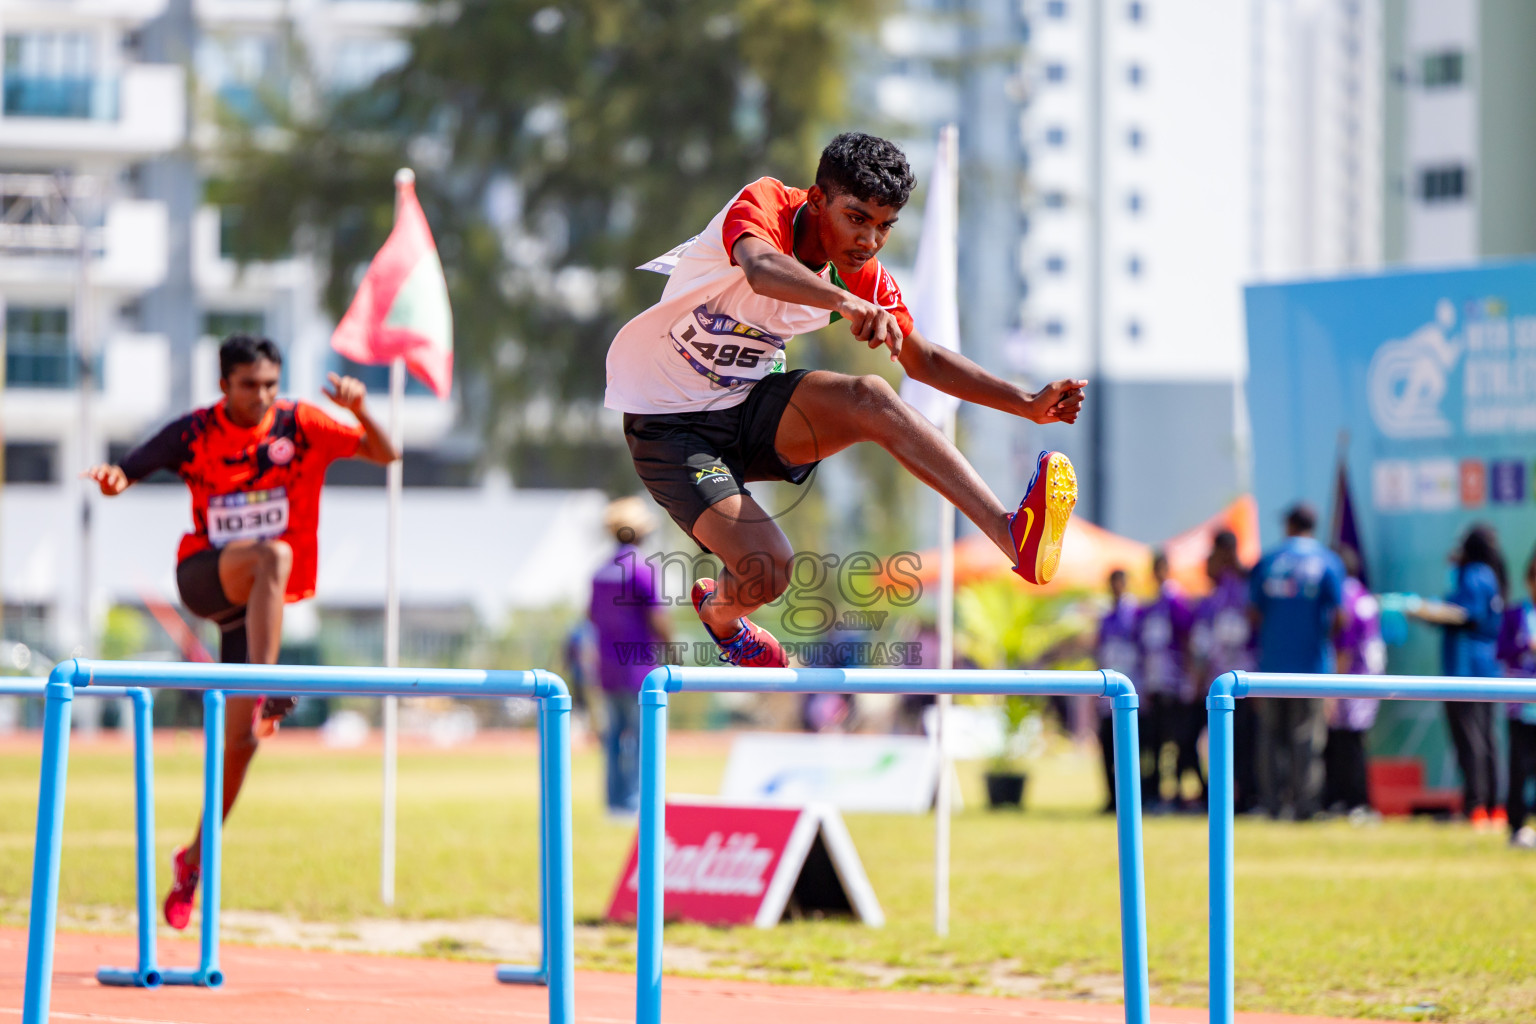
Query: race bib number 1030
x,y
248,515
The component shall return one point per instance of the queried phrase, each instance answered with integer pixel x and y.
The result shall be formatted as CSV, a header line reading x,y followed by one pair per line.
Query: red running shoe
x,y
1040,524
750,646
178,902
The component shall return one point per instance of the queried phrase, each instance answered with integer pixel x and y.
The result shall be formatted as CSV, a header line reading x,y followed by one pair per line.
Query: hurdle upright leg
x,y
147,974
559,930
1223,966
207,973
46,852
650,898
1133,900
518,974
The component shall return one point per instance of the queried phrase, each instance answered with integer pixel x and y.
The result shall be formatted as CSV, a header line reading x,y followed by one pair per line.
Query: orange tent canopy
x,y
1090,553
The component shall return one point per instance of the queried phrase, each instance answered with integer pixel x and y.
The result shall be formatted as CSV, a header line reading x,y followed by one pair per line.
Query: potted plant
x,y
1006,776
1004,626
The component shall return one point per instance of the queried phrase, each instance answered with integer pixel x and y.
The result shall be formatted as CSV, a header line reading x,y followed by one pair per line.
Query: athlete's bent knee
x,y
876,405
274,558
872,393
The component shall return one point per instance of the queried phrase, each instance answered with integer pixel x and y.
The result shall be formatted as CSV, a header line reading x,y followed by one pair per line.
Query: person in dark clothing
x,y
1295,590
1517,653
1346,786
1222,641
1116,650
1162,633
1470,617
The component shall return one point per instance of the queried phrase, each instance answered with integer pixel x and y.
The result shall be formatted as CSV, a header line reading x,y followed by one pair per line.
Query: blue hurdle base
x,y
128,977
192,976
512,974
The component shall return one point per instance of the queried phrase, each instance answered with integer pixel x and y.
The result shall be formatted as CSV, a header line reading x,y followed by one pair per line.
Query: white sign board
x,y
850,772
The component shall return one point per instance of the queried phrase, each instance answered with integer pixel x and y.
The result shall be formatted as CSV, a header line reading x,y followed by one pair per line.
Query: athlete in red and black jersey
x,y
255,465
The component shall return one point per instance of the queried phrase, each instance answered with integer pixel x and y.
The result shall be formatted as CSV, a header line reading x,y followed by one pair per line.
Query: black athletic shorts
x,y
690,460
197,578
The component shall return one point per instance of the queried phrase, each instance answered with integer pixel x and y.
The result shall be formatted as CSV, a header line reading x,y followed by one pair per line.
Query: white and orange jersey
x,y
711,337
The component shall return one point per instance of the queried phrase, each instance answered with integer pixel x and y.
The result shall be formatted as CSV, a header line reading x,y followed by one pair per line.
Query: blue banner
x,y
1429,378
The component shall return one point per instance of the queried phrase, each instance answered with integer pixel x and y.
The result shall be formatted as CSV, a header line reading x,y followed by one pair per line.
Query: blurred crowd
x,y
1304,608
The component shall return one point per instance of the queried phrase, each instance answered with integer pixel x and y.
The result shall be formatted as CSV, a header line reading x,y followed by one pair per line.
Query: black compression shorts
x,y
690,460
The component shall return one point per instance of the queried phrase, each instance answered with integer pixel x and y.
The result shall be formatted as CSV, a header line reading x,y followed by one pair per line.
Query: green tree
x,y
557,146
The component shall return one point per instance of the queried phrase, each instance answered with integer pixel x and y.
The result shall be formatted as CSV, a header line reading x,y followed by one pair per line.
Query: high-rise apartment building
x,y
1459,131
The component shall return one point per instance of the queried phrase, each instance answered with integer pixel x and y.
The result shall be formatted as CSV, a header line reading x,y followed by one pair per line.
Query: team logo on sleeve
x,y
281,451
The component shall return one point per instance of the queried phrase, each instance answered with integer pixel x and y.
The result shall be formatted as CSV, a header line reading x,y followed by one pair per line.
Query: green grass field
x,y
1407,920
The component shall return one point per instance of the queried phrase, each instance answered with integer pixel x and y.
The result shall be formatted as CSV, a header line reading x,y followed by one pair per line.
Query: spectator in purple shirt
x,y
1222,640
629,617
1517,653
1162,634
1116,650
1360,651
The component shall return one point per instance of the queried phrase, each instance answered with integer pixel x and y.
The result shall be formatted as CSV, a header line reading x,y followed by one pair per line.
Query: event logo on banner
x,y
851,772
747,864
1429,380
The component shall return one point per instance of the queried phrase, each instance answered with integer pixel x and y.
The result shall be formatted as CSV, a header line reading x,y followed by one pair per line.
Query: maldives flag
x,y
401,308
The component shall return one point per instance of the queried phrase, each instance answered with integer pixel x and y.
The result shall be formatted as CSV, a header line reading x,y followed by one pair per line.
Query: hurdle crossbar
x,y
1220,704
215,680
653,739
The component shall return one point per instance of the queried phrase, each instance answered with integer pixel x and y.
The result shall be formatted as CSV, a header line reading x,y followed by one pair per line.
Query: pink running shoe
x,y
750,646
178,902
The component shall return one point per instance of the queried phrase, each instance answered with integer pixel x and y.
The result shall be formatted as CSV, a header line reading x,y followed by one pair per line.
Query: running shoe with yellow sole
x,y
1040,524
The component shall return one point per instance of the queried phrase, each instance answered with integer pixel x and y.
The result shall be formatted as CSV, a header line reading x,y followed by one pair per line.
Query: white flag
x,y
932,298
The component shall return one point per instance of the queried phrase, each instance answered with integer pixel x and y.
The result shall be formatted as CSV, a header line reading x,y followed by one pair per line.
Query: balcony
x,y
41,236
91,99
124,12
140,113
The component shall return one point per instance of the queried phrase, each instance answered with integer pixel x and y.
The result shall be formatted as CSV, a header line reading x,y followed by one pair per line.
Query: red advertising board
x,y
719,862
749,864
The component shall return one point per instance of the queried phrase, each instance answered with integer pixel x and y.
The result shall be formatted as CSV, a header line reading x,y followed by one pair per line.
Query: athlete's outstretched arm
x,y
777,276
953,374
166,450
351,395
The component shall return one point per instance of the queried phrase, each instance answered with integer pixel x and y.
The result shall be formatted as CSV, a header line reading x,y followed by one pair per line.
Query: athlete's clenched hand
x,y
1057,402
111,479
871,324
347,392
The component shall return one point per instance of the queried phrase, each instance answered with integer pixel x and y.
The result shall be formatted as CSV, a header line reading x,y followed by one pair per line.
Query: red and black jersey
x,y
261,481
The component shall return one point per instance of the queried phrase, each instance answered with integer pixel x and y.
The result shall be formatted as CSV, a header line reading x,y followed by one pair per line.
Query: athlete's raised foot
x,y
1040,524
184,879
751,646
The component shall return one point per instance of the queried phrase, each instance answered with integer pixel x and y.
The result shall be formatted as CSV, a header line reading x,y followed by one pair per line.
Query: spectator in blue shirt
x,y
1295,591
1470,616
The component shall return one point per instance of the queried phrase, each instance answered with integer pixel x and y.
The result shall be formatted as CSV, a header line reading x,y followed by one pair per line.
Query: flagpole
x,y
949,146
396,478
942,809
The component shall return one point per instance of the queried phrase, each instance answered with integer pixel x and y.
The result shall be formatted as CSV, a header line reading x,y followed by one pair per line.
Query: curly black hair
x,y
243,349
866,167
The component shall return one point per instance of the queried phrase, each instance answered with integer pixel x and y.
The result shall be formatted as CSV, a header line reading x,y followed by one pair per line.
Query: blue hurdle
x,y
147,974
558,967
1220,704
653,742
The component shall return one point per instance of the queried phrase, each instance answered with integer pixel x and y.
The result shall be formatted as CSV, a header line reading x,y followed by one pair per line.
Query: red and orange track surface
x,y
271,984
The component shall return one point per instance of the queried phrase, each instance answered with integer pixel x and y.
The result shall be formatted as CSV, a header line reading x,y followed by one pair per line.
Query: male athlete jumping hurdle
x,y
255,465
708,405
